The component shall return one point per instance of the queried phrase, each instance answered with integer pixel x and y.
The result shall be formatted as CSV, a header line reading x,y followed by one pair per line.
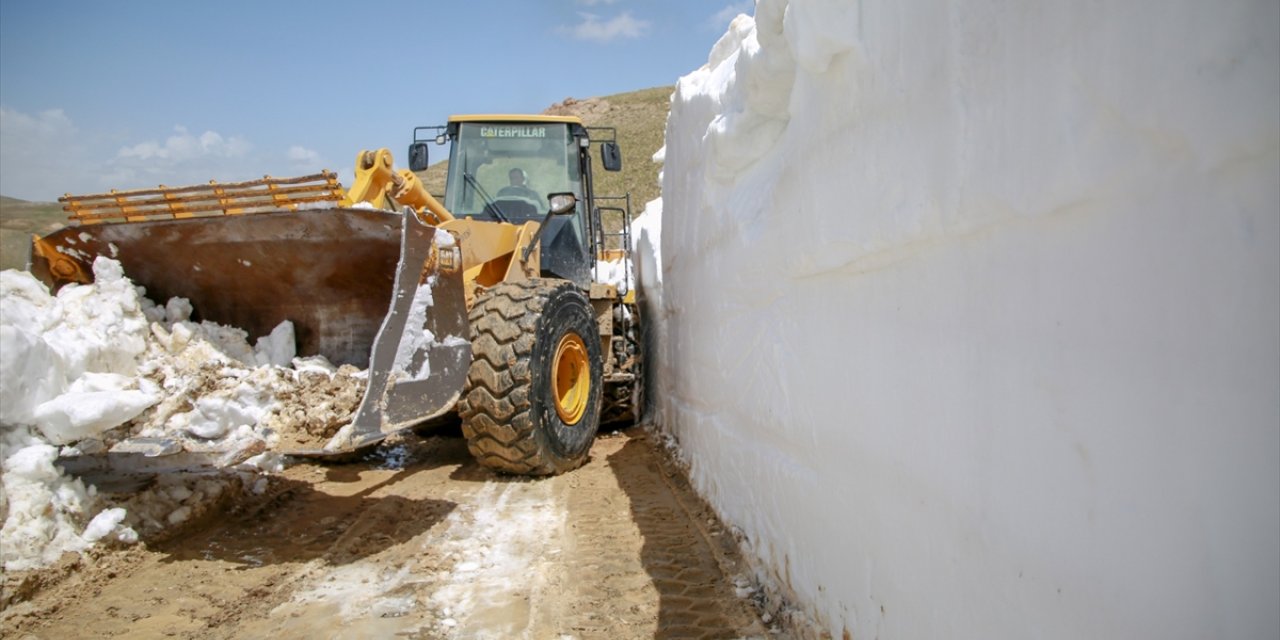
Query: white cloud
x,y
182,158
37,153
18,126
182,146
593,28
723,17
44,155
303,156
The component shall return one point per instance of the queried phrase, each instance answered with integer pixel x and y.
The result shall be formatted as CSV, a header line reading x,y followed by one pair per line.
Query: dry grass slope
x,y
19,220
641,120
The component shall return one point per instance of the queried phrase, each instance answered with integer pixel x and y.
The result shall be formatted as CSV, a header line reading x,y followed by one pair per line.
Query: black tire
x,y
510,414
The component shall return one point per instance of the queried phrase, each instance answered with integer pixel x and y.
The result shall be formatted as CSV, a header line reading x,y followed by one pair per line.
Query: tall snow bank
x,y
968,313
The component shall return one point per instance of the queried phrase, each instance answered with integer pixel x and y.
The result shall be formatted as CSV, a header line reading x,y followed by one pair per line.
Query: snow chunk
x,y
317,364
83,411
42,508
48,343
177,310
34,373
269,461
105,523
277,348
615,273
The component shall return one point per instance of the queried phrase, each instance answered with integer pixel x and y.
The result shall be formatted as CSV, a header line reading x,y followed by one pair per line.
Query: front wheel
x,y
531,404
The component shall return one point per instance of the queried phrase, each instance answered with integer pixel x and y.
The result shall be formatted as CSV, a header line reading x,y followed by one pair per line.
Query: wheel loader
x,y
489,304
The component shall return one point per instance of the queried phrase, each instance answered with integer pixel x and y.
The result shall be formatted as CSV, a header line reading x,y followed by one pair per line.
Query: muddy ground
x,y
418,541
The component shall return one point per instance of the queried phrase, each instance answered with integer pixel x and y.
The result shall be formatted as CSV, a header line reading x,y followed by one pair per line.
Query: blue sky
x,y
133,93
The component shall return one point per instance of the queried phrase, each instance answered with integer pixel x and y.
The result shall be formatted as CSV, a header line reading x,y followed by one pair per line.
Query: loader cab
x,y
504,168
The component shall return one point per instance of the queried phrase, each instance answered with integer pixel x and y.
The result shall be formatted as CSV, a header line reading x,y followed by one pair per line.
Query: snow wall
x,y
968,314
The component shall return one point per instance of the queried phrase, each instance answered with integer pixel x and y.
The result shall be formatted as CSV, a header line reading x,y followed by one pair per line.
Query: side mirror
x,y
418,156
562,203
611,156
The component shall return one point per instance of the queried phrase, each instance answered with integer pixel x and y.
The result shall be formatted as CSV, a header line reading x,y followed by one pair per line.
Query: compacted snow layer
x,y
100,363
966,314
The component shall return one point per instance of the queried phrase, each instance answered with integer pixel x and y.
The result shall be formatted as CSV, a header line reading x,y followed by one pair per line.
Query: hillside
x,y
641,119
19,220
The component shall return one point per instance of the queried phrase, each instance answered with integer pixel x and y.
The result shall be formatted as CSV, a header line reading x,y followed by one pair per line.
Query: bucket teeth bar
x,y
232,198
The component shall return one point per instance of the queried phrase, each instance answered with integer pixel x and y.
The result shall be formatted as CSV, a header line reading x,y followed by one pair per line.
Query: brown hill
x,y
19,220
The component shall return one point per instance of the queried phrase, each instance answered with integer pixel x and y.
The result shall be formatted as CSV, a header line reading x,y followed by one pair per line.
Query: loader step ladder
x,y
614,245
232,198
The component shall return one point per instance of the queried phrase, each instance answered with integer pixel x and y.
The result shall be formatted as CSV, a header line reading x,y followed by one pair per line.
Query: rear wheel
x,y
532,401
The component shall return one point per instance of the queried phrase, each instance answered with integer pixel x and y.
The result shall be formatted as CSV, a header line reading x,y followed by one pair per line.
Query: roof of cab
x,y
508,117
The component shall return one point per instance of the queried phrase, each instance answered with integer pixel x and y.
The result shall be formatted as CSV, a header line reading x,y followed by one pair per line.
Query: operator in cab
x,y
518,187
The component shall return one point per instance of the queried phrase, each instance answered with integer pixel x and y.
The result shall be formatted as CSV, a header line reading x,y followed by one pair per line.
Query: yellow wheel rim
x,y
571,373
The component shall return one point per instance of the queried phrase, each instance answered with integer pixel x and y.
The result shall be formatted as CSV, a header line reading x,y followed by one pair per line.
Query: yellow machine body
x,y
346,265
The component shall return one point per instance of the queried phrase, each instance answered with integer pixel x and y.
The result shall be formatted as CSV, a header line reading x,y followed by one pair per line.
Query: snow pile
x,y
967,316
98,364
220,394
42,510
69,362
215,386
67,365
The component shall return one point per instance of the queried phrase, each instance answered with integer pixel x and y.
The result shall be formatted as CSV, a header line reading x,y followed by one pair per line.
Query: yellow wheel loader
x,y
489,304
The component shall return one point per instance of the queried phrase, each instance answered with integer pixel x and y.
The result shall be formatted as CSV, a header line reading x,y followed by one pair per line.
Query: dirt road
x,y
420,542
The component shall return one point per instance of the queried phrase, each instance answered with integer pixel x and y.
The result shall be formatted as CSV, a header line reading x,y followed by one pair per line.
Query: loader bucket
x,y
422,351
329,271
367,287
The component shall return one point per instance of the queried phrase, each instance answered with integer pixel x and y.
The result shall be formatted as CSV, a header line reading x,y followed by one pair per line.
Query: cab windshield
x,y
506,169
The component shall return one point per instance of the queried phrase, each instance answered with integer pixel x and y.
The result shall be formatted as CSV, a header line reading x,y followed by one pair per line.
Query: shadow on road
x,y
696,598
298,521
